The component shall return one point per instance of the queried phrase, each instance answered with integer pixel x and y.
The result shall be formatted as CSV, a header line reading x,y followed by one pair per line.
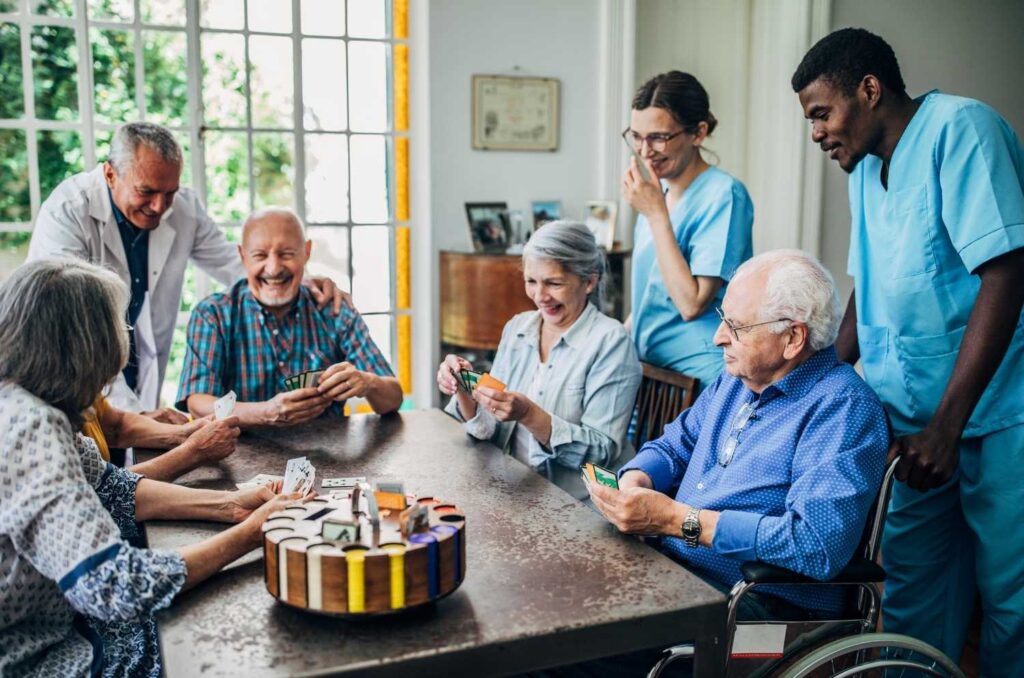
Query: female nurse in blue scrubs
x,y
693,231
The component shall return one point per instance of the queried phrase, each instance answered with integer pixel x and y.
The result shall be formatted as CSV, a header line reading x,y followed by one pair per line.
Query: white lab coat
x,y
77,220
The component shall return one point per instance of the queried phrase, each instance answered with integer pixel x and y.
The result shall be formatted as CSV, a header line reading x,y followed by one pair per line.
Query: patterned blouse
x,y
72,591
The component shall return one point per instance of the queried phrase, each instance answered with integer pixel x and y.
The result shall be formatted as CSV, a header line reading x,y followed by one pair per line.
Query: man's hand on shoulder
x,y
326,292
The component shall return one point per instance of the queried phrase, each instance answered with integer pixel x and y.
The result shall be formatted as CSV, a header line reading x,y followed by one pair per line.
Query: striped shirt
x,y
236,344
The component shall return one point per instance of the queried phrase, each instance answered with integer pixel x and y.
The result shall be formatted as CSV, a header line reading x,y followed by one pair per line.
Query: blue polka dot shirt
x,y
804,472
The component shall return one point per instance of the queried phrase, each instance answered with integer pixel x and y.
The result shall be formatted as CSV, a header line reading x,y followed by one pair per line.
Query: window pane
x,y
103,139
60,156
329,256
163,12
369,192
371,268
272,16
368,83
55,7
366,19
271,80
223,79
11,101
380,332
113,58
323,84
14,197
55,72
9,6
221,14
227,176
326,178
273,169
13,250
112,10
323,17
166,77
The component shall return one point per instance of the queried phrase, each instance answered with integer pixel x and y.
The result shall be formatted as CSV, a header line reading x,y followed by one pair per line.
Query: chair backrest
x,y
662,396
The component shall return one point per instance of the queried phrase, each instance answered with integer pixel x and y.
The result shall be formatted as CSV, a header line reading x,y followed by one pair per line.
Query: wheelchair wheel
x,y
875,654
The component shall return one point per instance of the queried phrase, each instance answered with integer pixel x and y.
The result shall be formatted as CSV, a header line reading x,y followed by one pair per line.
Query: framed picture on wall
x,y
515,113
600,218
488,226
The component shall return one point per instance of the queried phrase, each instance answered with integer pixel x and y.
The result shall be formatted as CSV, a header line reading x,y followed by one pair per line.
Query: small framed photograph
x,y
488,226
545,211
600,218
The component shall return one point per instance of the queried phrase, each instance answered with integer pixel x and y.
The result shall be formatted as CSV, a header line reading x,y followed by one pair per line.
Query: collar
x,y
802,378
575,335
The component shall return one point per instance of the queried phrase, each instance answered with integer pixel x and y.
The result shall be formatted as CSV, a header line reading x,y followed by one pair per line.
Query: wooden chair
x,y
663,395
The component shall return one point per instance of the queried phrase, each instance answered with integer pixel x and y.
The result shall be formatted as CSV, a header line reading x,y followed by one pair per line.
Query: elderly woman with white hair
x,y
571,372
76,597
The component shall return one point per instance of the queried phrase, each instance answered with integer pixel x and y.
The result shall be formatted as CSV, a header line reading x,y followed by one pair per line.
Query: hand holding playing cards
x,y
634,510
214,439
447,373
294,407
504,405
342,381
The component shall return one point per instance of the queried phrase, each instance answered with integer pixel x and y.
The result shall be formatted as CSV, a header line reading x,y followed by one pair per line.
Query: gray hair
x,y
128,137
798,287
571,245
62,331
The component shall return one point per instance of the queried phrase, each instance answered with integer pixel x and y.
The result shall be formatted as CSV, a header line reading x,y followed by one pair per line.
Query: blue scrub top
x,y
955,200
712,222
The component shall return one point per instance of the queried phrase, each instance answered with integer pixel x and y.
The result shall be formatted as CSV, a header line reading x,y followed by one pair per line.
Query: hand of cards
x,y
307,379
224,406
598,474
299,475
470,380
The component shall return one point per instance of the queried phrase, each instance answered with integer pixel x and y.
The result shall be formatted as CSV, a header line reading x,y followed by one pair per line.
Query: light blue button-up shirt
x,y
955,200
588,385
804,474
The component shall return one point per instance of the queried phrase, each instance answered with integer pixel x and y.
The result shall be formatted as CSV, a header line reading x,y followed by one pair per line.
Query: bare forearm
x,y
538,422
129,429
846,343
691,294
170,465
249,414
156,500
384,394
209,556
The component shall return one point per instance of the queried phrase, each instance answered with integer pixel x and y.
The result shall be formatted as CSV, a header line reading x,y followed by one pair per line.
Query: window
x,y
300,103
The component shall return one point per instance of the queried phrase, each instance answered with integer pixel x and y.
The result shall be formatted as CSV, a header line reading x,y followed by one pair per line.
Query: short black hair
x,y
844,57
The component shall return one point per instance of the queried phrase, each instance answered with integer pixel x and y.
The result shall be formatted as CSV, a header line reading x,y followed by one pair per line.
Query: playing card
x,y
342,482
296,473
224,406
257,480
314,378
469,379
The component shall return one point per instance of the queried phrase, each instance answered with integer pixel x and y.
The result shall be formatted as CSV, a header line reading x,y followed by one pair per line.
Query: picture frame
x,y
601,216
515,113
545,211
488,226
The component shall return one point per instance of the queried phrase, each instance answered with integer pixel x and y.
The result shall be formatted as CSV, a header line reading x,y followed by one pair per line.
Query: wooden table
x,y
548,581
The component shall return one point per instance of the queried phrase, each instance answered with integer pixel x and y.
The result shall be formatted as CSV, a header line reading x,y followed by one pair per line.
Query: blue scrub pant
x,y
941,546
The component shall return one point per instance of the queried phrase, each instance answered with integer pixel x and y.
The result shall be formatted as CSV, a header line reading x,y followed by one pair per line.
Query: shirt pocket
x,y
910,222
927,364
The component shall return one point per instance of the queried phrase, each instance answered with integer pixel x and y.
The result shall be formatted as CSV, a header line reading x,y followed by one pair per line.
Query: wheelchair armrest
x,y
859,570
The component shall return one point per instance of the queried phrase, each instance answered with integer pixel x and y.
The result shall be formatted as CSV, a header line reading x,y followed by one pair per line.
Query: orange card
x,y
490,382
390,500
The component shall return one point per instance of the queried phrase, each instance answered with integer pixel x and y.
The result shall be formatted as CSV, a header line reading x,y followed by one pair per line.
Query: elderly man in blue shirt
x,y
779,460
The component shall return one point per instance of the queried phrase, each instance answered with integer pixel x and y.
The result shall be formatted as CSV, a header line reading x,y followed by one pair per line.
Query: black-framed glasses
x,y
734,330
743,417
655,142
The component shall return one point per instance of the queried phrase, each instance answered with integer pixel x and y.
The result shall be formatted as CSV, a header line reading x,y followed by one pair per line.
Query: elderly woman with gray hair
x,y
571,372
76,597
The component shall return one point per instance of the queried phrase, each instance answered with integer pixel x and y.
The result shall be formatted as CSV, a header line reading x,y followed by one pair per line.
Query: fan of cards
x,y
299,475
224,406
470,380
592,473
307,379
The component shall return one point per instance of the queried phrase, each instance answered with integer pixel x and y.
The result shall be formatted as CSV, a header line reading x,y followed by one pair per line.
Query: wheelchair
x,y
845,646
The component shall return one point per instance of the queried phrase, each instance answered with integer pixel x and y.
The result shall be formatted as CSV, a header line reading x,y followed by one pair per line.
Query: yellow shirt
x,y
91,425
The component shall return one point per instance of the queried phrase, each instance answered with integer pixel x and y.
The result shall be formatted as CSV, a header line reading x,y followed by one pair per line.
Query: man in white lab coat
x,y
131,215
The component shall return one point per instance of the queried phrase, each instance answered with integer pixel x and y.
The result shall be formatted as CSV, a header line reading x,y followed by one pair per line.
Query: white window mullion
x,y
297,110
28,92
85,85
196,123
140,76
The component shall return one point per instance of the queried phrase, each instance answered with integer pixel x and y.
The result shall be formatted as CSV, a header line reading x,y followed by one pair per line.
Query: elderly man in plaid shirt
x,y
267,328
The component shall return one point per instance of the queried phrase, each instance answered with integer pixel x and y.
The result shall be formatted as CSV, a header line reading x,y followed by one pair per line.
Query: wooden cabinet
x,y
479,294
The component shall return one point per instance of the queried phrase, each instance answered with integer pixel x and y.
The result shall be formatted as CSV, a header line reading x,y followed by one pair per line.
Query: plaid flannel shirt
x,y
236,344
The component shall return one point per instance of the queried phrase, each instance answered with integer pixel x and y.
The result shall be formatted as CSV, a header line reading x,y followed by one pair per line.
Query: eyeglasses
x,y
743,417
655,142
734,330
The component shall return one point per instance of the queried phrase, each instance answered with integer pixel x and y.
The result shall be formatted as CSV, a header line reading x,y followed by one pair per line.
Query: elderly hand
x,y
260,503
646,197
166,415
503,405
342,381
635,510
448,373
214,440
928,458
294,407
325,291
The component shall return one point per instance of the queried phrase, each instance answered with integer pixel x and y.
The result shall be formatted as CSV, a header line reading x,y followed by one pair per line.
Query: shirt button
x,y
700,486
540,393
280,364
274,332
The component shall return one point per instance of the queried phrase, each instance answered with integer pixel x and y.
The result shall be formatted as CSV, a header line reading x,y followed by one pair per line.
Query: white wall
x,y
971,49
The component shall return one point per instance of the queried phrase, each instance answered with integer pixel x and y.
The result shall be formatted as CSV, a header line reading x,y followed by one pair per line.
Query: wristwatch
x,y
691,527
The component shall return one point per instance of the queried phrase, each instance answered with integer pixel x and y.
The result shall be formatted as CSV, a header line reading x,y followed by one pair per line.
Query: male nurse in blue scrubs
x,y
937,253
